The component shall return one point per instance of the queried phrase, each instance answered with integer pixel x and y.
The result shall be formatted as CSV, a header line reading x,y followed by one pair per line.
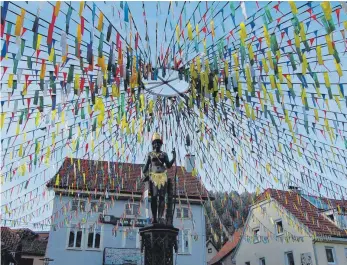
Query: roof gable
x,y
306,212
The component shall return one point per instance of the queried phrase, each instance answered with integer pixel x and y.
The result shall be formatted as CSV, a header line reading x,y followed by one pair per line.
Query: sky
x,y
29,193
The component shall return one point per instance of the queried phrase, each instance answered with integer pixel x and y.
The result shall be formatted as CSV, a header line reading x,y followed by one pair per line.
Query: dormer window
x,y
338,218
331,217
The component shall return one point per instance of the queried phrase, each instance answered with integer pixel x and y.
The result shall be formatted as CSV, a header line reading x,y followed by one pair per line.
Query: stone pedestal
x,y
158,242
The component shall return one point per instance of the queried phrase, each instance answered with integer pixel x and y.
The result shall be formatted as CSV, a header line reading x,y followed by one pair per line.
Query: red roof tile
x,y
227,248
119,177
306,212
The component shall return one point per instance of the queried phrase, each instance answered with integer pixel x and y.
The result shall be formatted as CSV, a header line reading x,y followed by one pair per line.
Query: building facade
x,y
98,221
285,227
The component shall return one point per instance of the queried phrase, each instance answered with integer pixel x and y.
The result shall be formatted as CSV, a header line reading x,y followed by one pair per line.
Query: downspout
x,y
203,233
315,251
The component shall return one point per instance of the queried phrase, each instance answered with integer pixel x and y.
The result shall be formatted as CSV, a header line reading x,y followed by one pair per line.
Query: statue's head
x,y
156,142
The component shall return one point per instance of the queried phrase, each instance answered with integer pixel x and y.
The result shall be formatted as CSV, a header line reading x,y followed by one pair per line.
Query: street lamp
x,y
46,260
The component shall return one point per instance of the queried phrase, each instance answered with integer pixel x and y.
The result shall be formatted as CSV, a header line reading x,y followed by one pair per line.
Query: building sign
x,y
121,256
111,219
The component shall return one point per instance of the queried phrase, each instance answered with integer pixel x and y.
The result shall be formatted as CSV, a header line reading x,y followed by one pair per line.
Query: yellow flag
x,y
37,118
43,71
57,180
326,9
81,8
326,79
319,55
293,7
297,40
236,60
243,32
267,37
338,68
48,155
330,44
38,42
302,32
289,81
51,56
212,28
101,19
303,96
250,51
272,81
57,8
2,119
268,168
266,68
79,35
269,57
177,33
190,32
337,101
316,114
19,23
280,75
17,128
10,80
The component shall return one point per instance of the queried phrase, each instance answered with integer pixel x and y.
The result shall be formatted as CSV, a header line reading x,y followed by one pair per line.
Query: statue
x,y
155,173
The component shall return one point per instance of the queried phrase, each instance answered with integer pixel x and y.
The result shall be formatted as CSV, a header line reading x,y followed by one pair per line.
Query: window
x,y
97,207
183,212
346,253
131,238
262,261
184,242
75,236
331,217
210,250
78,205
289,257
330,252
132,209
256,235
94,237
279,228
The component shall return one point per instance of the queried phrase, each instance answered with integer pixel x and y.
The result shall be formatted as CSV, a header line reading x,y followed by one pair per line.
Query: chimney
x,y
295,189
189,162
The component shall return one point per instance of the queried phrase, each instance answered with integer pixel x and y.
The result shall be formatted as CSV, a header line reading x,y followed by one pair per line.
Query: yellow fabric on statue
x,y
159,179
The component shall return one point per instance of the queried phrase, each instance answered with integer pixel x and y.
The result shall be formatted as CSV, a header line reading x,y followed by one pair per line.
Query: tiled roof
x,y
91,175
10,240
29,241
306,212
35,247
227,248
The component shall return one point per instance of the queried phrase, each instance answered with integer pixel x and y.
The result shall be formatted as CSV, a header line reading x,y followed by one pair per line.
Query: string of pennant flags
x,y
266,105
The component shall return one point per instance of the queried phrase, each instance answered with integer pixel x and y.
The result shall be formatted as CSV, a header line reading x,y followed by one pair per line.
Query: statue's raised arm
x,y
166,159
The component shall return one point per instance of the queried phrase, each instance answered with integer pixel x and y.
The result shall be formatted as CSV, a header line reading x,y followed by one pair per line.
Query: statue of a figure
x,y
155,172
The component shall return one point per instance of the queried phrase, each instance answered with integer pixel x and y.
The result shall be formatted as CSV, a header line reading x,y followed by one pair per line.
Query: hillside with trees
x,y
228,213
